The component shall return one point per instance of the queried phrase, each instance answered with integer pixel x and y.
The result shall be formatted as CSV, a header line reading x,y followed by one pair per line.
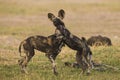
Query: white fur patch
x,y
71,36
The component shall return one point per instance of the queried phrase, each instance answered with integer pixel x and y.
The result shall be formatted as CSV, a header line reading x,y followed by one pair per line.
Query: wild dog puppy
x,y
50,45
72,41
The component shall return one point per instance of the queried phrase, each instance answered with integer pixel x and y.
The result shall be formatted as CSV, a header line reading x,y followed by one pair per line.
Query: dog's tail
x,y
20,46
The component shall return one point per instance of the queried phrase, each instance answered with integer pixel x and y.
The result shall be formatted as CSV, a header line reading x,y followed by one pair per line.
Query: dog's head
x,y
57,21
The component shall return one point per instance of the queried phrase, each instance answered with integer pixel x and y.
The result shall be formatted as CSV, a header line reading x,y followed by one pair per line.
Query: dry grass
x,y
20,19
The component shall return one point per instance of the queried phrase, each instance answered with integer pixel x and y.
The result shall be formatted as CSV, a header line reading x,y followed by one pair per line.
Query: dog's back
x,y
41,43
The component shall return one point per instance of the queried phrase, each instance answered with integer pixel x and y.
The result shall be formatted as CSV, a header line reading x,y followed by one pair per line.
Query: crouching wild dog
x,y
83,55
50,45
99,41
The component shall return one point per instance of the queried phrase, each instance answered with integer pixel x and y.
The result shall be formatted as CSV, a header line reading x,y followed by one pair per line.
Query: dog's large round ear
x,y
51,16
83,39
61,14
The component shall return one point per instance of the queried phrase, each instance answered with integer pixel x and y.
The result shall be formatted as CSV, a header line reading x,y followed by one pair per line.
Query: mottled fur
x,y
99,41
50,45
83,55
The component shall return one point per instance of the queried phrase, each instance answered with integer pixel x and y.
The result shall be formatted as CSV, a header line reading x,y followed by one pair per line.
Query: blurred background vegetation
x,y
20,19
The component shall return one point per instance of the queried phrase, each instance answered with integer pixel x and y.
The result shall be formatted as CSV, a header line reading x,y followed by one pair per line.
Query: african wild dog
x,y
99,41
50,45
83,55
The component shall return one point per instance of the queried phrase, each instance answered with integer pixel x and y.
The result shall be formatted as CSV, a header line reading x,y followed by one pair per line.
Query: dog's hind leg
x,y
88,64
27,58
81,62
90,60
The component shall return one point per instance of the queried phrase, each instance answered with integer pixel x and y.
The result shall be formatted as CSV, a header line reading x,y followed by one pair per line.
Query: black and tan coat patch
x,y
99,41
50,45
71,40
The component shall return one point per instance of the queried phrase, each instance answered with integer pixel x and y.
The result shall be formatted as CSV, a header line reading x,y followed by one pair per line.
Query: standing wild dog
x,y
83,55
50,45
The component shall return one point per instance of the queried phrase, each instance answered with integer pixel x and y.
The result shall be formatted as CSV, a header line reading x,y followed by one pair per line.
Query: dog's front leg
x,y
53,64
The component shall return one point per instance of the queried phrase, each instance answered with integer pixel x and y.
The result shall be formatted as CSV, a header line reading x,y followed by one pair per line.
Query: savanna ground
x,y
22,18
